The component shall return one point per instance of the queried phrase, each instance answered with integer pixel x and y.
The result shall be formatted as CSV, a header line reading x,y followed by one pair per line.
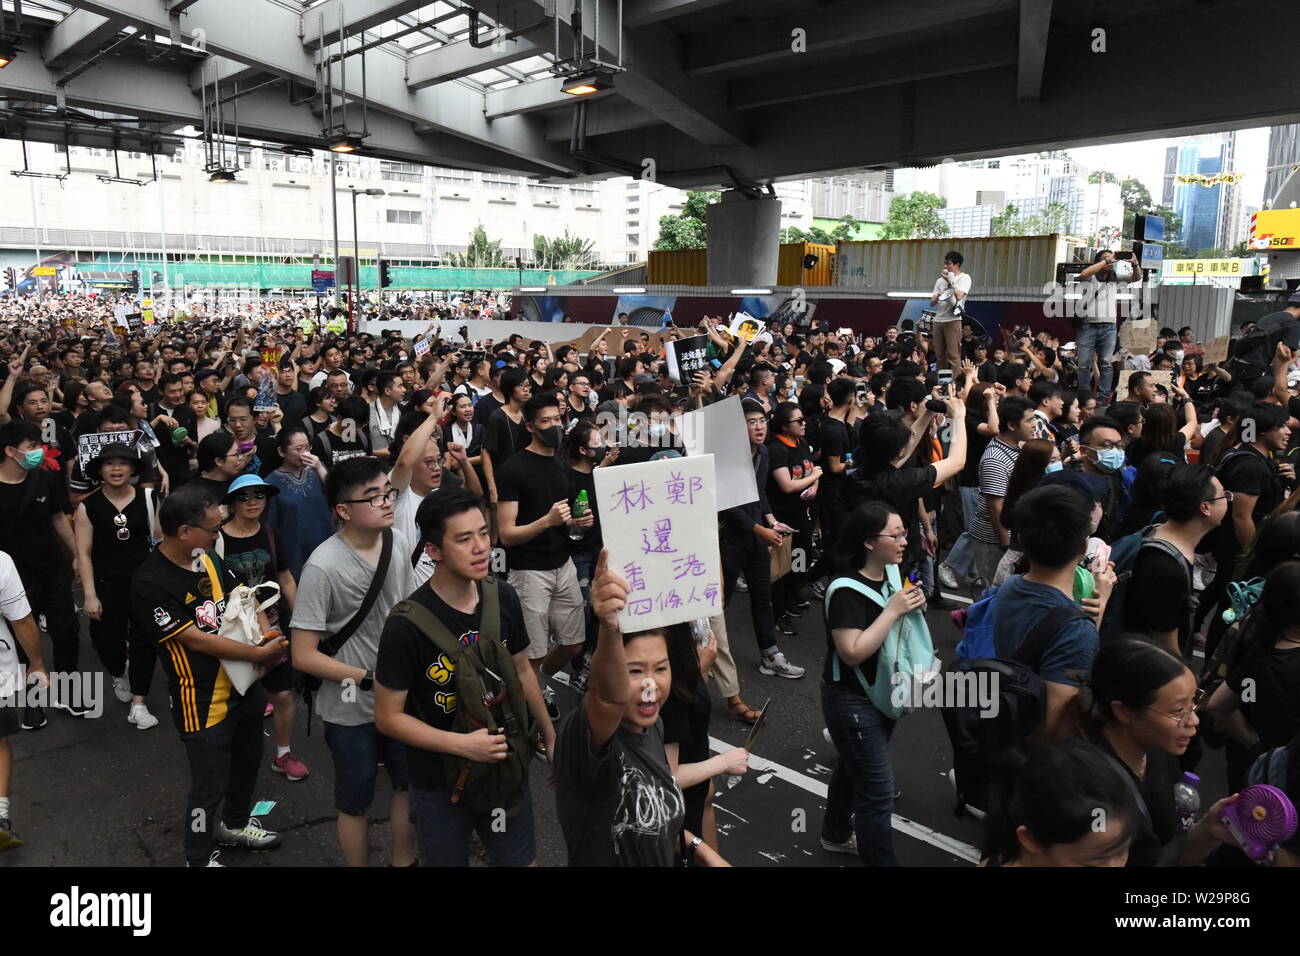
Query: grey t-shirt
x,y
333,584
621,807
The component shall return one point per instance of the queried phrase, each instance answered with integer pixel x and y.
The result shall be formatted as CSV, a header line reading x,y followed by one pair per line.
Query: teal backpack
x,y
907,650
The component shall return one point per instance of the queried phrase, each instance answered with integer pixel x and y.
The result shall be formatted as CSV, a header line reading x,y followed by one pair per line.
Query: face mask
x,y
598,453
1110,459
551,437
1054,466
658,430
32,460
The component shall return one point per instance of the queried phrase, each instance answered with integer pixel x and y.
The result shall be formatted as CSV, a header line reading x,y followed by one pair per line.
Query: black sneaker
x,y
34,717
8,839
818,588
548,696
795,611
786,626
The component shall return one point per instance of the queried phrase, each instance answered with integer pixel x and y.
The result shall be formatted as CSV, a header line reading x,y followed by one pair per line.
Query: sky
x,y
1146,161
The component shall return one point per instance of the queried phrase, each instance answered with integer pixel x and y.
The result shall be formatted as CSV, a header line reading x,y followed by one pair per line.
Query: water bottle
x,y
579,510
700,631
848,464
1187,798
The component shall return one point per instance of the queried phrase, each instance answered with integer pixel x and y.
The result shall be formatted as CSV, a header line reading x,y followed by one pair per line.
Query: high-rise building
x,y
1283,153
1210,214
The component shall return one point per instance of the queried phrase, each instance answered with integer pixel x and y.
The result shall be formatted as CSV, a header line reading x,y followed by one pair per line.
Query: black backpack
x,y
984,746
1125,555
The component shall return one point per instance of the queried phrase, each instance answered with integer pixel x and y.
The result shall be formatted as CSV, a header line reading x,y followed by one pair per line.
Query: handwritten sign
x,y
90,445
719,430
1138,337
271,356
1217,350
686,357
661,527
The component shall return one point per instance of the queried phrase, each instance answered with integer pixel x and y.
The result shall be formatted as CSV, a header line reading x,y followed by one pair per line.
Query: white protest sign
x,y
686,357
719,430
660,524
91,444
745,326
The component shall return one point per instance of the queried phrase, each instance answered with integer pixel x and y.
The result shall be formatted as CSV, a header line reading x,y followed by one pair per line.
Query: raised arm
x,y
608,688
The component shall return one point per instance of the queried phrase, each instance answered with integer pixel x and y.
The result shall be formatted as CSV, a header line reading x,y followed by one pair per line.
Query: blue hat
x,y
249,481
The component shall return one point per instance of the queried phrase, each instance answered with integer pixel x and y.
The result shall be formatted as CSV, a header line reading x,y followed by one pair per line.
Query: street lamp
x,y
356,248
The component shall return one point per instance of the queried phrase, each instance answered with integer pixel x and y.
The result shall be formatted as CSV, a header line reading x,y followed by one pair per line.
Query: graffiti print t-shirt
x,y
621,807
410,661
255,561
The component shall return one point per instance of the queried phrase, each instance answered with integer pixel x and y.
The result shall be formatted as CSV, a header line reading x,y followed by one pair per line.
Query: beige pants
x,y
947,344
724,665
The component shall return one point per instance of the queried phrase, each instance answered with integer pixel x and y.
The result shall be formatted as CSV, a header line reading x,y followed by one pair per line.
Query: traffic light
x,y
157,277
135,280
385,280
11,277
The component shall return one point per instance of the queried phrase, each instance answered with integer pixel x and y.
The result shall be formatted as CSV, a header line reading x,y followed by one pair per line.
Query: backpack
x,y
983,740
905,655
488,694
1227,653
1125,554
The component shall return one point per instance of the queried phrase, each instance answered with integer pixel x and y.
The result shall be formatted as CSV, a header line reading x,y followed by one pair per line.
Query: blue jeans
x,y
1099,338
959,558
860,799
358,751
442,831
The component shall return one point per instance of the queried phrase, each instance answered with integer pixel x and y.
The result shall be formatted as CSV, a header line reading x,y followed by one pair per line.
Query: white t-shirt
x,y
943,309
13,607
408,503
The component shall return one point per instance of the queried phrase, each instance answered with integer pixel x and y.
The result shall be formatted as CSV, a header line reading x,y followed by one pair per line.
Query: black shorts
x,y
10,725
279,678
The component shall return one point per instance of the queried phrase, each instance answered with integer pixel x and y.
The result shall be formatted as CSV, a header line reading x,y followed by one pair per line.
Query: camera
x,y
945,382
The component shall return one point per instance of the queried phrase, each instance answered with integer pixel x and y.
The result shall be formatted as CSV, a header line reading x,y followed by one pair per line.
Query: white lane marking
x,y
913,829
730,813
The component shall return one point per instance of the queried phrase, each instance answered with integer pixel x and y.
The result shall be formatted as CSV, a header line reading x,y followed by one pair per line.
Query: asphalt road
x,y
101,793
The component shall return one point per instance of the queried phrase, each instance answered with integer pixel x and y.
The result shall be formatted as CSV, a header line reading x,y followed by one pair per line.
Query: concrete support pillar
x,y
744,241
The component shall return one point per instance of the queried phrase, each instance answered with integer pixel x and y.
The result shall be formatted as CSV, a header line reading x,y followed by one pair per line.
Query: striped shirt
x,y
996,465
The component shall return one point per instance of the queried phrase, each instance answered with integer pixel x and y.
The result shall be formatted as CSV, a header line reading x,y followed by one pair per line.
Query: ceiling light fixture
x,y
585,84
223,176
347,143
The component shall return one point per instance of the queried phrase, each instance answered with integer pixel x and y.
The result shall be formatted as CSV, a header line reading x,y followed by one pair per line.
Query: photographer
x,y
950,291
1097,334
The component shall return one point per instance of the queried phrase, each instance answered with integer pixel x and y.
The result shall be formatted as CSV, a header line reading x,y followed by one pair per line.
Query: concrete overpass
x,y
713,92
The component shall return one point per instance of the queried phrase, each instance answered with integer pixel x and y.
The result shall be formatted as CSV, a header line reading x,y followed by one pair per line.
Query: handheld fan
x,y
1259,819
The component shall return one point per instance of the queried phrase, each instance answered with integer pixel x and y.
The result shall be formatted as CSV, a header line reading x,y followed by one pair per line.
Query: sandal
x,y
737,709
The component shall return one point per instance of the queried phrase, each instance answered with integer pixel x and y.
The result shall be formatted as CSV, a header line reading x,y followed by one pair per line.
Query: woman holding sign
x,y
618,802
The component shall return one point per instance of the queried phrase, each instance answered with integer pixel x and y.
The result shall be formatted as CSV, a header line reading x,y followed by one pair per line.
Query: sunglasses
x,y
243,496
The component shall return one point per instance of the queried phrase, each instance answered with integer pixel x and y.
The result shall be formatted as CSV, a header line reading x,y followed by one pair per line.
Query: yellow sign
x,y
44,271
1209,179
1205,267
1275,229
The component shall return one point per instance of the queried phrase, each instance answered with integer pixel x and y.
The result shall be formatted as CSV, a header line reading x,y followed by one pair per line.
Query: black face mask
x,y
550,437
598,453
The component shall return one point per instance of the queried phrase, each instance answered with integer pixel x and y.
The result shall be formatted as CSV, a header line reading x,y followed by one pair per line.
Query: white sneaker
x,y
252,836
740,583
122,689
212,860
140,716
948,577
778,666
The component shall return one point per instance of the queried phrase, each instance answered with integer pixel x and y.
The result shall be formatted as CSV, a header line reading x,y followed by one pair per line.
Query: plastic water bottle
x,y
579,510
1187,798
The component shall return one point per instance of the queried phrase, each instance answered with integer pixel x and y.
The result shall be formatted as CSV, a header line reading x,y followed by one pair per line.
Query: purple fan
x,y
1259,819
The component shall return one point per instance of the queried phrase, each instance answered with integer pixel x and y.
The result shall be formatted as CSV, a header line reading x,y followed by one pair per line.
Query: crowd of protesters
x,y
397,516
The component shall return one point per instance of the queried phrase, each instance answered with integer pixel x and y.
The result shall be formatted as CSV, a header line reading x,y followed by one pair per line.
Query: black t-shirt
x,y
293,404
332,449
686,723
216,488
900,488
837,441
410,661
165,599
176,460
255,561
788,507
620,807
537,482
585,481
504,439
1210,445
26,532
1159,825
1157,572
1245,471
849,609
1275,709
484,408
969,477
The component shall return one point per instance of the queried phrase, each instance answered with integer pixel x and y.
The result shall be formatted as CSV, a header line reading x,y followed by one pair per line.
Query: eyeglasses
x,y
212,531
1180,717
1226,496
900,537
243,496
798,421
378,501
1104,446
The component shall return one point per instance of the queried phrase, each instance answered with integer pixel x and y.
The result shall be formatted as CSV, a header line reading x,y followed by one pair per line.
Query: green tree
x,y
483,253
842,232
1101,176
915,216
1239,251
563,252
687,230
1008,222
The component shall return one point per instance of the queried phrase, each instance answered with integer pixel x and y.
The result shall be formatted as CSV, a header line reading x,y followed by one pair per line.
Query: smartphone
x,y
715,363
862,391
945,382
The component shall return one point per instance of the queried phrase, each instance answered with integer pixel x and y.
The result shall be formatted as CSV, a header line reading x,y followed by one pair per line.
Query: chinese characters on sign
x,y
662,535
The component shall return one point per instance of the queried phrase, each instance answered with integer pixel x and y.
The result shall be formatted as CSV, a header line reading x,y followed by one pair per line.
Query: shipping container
x,y
913,265
691,266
